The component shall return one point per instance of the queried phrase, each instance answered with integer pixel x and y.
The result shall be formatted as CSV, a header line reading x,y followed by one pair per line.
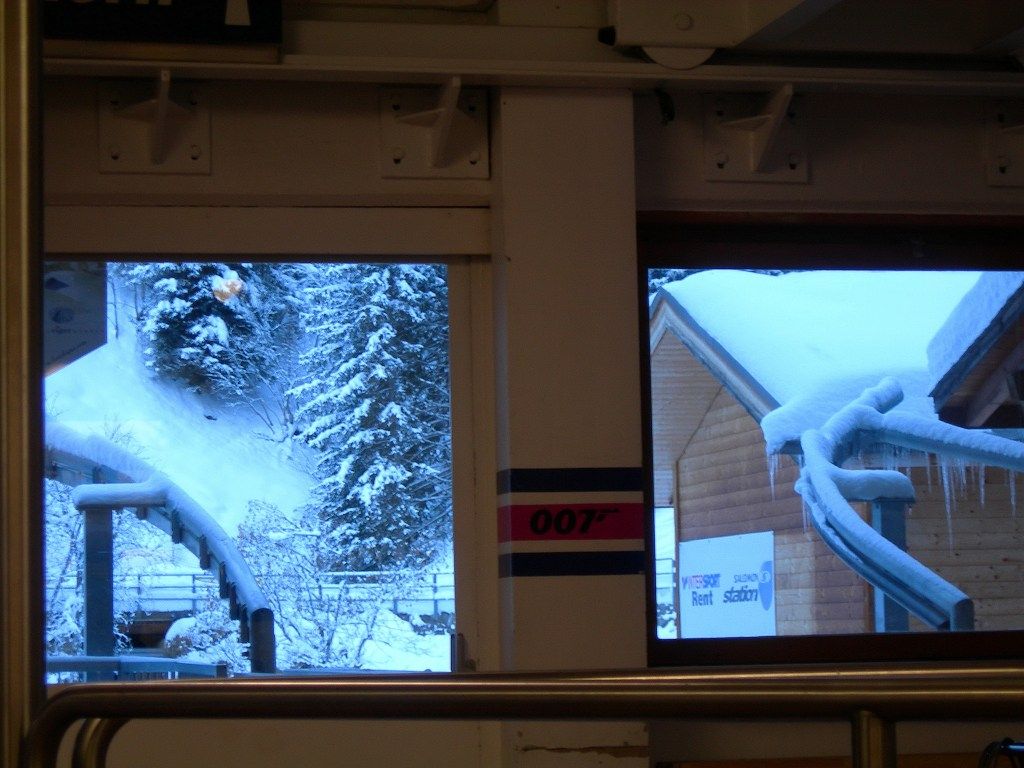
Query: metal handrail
x,y
192,526
866,695
166,506
827,488
93,741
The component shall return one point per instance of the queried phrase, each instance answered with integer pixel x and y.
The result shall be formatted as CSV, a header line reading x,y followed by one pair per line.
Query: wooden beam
x,y
996,390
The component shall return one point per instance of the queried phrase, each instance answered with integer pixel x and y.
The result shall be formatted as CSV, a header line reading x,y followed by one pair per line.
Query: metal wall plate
x,y
133,140
411,147
742,143
1004,144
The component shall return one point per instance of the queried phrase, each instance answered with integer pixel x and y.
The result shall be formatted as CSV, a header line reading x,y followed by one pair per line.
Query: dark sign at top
x,y
203,22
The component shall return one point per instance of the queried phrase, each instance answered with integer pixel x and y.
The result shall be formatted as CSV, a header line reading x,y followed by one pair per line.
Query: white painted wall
x,y
894,153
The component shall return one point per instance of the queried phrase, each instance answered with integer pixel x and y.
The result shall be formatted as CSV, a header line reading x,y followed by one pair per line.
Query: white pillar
x,y
569,442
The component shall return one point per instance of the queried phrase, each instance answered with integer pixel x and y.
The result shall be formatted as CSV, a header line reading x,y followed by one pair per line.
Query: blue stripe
x,y
578,479
571,563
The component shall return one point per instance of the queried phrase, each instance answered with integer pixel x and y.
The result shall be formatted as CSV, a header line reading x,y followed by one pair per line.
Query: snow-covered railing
x,y
828,489
163,504
133,667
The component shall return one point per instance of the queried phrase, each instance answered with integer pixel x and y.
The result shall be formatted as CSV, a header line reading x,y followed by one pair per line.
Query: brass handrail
x,y
93,740
861,694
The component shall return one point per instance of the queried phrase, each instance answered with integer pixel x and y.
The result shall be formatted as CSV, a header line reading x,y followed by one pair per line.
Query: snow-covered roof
x,y
973,326
814,340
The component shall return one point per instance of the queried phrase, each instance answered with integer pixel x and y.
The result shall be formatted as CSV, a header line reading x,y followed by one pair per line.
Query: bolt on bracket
x,y
425,136
153,129
1004,144
747,138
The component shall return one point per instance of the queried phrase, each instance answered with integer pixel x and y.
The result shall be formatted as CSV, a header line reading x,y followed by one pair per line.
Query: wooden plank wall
x,y
710,465
682,389
723,489
979,547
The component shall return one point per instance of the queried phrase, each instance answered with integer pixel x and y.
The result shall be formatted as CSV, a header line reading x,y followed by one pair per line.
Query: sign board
x,y
727,586
201,25
74,311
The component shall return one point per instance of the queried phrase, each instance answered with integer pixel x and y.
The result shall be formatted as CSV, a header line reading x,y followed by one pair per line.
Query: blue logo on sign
x,y
765,585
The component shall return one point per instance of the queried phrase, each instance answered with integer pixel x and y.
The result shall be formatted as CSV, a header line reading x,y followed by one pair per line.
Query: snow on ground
x,y
814,340
215,455
396,647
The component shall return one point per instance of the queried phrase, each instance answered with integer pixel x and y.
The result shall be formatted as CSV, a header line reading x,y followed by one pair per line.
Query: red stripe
x,y
570,522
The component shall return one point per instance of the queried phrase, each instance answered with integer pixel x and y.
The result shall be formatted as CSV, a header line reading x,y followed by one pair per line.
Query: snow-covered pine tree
x,y
229,330
376,406
658,276
188,329
271,307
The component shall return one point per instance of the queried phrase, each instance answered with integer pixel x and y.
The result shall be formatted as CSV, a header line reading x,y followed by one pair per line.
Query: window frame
x,y
345,236
806,241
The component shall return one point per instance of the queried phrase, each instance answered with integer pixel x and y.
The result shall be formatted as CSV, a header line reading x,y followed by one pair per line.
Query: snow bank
x,y
215,454
59,437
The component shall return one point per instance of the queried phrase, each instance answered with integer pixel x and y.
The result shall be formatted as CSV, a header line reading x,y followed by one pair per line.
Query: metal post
x,y
888,517
873,741
21,528
99,584
262,646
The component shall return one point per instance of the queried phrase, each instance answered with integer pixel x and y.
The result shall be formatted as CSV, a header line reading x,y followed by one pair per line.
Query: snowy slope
x,y
209,451
223,459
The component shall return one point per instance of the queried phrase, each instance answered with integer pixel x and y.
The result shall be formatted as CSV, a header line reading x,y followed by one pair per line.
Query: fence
x,y
419,594
73,669
427,594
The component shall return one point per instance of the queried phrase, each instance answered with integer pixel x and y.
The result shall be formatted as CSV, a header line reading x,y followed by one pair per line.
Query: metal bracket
x,y
745,143
1004,146
428,137
163,129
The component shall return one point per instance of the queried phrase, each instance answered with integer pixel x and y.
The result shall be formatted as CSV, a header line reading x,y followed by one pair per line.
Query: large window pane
x,y
248,467
743,363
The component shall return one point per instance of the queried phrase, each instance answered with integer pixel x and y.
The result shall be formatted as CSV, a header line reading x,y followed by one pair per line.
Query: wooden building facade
x,y
719,483
711,467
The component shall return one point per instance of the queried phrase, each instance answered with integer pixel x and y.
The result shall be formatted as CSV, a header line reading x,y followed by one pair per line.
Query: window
x,y
834,446
248,468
